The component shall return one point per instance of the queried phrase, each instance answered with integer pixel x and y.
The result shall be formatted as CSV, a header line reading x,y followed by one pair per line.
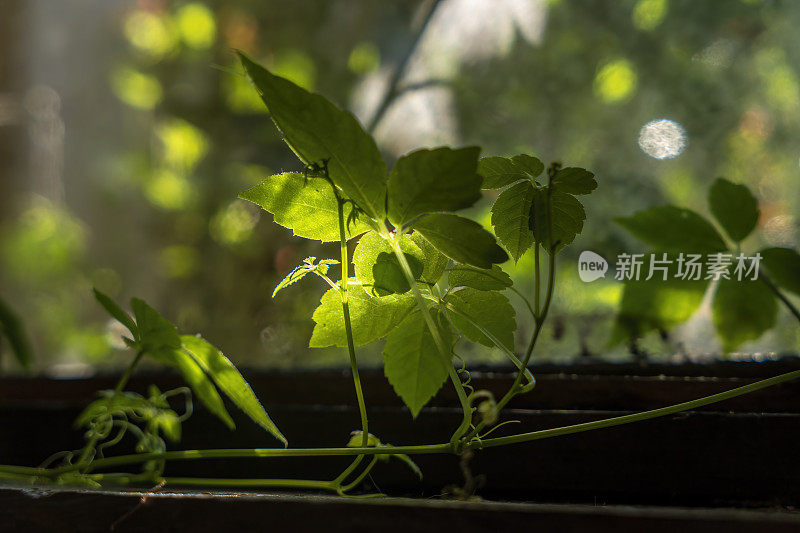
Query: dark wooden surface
x,y
32,511
738,453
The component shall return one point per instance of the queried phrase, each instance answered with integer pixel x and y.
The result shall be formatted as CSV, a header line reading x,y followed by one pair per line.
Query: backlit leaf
x,y
674,229
116,311
559,224
316,130
574,181
510,217
479,278
489,309
378,269
434,262
230,381
498,172
743,311
305,205
372,317
461,239
734,207
412,361
783,267
430,181
156,332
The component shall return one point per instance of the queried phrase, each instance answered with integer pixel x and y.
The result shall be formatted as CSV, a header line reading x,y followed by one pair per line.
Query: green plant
x,y
423,276
743,309
12,329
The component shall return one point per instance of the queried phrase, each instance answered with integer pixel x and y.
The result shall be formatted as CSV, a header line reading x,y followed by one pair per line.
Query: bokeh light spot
x,y
648,14
169,190
151,34
662,139
183,144
179,261
136,88
234,224
297,67
364,58
197,25
616,81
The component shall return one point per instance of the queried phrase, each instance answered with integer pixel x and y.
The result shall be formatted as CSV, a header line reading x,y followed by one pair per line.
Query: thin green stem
x,y
536,280
252,483
351,349
444,351
360,477
123,380
636,417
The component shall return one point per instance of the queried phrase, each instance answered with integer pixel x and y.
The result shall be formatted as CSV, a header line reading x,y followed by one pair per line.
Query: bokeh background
x,y
127,131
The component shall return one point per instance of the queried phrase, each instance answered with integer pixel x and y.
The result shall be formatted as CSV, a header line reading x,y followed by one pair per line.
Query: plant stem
x,y
636,417
351,349
394,83
123,380
540,320
253,483
409,450
444,351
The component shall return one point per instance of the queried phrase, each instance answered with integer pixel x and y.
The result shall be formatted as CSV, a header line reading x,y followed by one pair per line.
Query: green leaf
x,y
461,239
371,317
674,229
656,304
566,216
433,263
430,181
783,267
168,423
156,333
479,278
412,362
117,313
230,381
12,329
574,181
532,166
511,216
489,309
734,207
498,172
743,311
201,385
378,269
299,272
317,130
307,206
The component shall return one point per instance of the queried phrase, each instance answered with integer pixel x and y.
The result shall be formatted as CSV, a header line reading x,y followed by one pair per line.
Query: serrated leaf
x,y
479,278
489,309
116,312
656,304
574,180
305,205
412,362
783,267
317,130
532,166
510,218
431,181
156,333
461,239
372,317
378,269
498,172
674,229
434,262
300,272
565,222
743,311
225,375
12,329
734,207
